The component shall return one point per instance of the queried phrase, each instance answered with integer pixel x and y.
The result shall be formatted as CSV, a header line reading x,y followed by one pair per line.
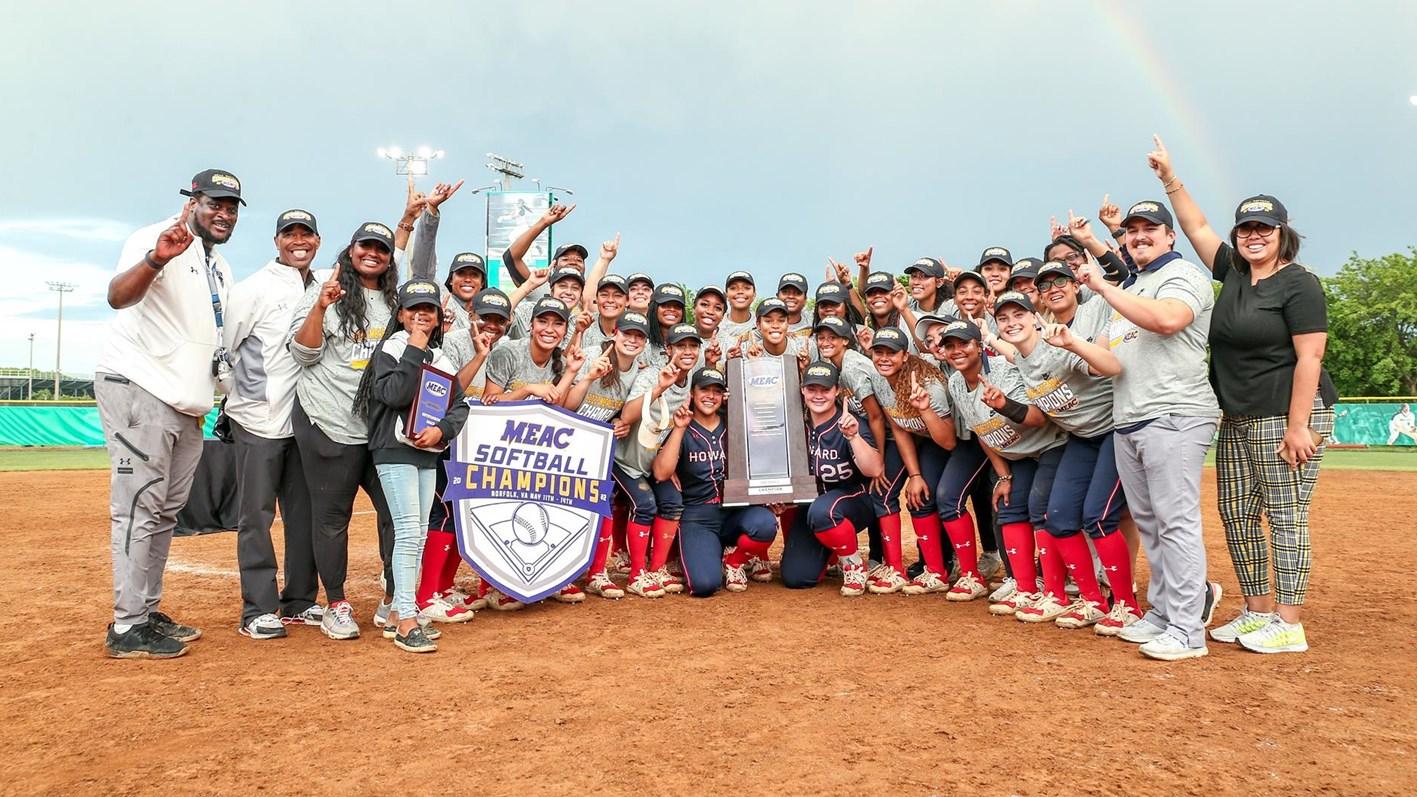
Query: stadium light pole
x,y
414,163
61,288
30,370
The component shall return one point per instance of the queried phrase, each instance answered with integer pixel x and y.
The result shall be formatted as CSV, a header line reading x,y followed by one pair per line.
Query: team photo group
x,y
1036,425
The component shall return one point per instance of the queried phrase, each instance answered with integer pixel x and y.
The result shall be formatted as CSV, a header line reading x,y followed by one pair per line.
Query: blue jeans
x,y
409,492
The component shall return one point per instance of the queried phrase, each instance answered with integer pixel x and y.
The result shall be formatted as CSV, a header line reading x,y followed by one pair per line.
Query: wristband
x,y
148,258
915,476
1178,187
1014,410
1005,478
1118,233
405,226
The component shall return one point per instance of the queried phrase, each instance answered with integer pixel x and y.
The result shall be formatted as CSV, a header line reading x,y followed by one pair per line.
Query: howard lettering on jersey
x,y
706,456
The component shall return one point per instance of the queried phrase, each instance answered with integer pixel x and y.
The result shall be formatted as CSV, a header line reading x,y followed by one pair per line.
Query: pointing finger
x,y
1106,199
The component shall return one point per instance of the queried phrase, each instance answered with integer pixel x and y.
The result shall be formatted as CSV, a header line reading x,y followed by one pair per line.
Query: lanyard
x,y
213,280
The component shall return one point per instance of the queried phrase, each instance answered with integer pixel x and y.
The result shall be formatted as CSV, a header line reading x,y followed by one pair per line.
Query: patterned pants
x,y
1252,479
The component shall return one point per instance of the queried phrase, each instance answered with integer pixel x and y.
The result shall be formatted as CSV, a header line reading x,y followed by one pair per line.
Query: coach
x,y
161,364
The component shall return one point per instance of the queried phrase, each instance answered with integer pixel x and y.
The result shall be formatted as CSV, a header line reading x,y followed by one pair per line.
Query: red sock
x,y
665,531
1078,559
890,542
1018,544
637,542
620,515
927,532
483,587
450,567
435,555
1053,572
602,547
961,533
746,547
1117,560
841,539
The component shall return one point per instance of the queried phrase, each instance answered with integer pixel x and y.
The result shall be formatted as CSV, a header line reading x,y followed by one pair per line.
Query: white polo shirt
x,y
257,323
165,342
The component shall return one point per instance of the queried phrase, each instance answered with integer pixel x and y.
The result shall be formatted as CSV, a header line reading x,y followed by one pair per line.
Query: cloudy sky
x,y
712,135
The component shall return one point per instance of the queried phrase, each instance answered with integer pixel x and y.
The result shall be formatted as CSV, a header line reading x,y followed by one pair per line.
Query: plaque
x,y
767,440
431,402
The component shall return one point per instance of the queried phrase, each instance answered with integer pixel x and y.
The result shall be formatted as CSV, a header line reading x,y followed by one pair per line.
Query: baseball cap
x,y
215,183
890,338
928,266
793,280
1054,268
490,301
682,332
567,248
1152,211
878,281
821,373
416,292
464,260
961,330
831,292
639,276
714,289
374,231
708,376
998,253
1263,209
566,272
295,216
739,275
1025,268
630,319
971,275
771,304
613,281
836,325
667,293
1066,240
923,325
550,304
1012,297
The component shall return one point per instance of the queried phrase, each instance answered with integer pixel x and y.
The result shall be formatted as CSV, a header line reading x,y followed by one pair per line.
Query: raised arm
x,y
666,459
608,251
1100,361
424,259
1188,214
129,286
518,249
1162,316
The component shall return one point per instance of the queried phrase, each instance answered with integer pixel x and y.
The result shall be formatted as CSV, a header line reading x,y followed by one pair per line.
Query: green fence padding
x,y
60,426
1375,424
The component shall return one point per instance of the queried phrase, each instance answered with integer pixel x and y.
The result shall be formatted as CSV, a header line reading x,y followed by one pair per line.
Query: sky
x,y
713,136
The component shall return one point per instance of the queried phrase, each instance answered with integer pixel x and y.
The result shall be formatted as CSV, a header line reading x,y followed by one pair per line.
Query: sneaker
x,y
645,586
669,582
927,581
569,594
381,614
1276,637
886,580
456,597
1080,615
1119,618
735,578
600,584
759,569
967,588
429,630
1013,603
415,641
914,569
444,609
338,622
142,642
989,564
1168,648
954,571
168,627
1247,622
621,563
1045,609
498,600
1005,591
1142,631
311,616
266,626
1212,600
1071,588
853,581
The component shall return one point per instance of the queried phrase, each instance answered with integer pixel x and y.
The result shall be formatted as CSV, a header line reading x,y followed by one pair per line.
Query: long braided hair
x,y
353,319
366,381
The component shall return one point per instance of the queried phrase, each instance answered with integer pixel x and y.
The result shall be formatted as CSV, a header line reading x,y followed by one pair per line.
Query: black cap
x,y
1025,268
998,253
890,338
961,330
1263,209
550,304
840,326
613,281
1012,297
667,293
740,275
714,289
564,248
821,373
566,272
639,276
794,280
928,266
1054,268
295,216
831,292
464,260
771,304
705,377
490,301
680,332
923,324
416,292
970,275
215,183
879,281
632,320
374,231
1152,211
1066,240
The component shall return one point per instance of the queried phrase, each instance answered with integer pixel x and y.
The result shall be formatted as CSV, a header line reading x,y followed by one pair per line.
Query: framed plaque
x,y
436,390
767,441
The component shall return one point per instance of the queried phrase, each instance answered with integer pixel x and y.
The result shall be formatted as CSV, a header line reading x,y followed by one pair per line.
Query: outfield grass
x,y
17,459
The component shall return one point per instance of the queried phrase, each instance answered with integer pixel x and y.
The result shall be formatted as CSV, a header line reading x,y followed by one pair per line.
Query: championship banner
x,y
509,214
529,483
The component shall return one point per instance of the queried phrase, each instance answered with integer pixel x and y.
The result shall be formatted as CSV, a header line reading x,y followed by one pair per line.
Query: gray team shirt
x,y
1011,440
629,454
908,418
1164,374
859,380
603,403
511,366
330,374
1056,381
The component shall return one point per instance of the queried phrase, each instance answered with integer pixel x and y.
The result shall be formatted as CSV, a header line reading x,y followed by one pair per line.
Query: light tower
x,y
61,288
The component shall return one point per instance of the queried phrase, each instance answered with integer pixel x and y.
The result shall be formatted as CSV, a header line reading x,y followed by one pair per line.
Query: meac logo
x,y
378,229
1144,207
226,180
995,251
1257,206
297,214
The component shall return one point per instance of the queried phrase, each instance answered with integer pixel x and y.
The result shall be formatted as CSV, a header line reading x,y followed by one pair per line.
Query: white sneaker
x,y
967,588
927,581
1080,615
1168,648
667,581
381,614
1045,609
853,580
1011,605
1142,631
1247,622
989,564
265,626
1276,637
311,616
1005,591
569,594
735,579
498,600
759,569
645,585
338,622
886,580
1119,618
444,610
457,597
602,585
621,563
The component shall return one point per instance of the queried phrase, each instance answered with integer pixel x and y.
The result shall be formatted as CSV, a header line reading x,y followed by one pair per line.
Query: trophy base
x,y
744,492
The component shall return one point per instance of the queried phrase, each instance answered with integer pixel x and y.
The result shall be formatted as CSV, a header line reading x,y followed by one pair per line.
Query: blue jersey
x,y
830,454
702,464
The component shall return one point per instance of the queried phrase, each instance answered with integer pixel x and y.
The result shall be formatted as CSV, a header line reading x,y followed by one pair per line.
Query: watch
x,y
1118,233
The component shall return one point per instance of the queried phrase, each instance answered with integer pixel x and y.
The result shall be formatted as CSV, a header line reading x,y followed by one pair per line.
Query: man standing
x,y
267,459
154,382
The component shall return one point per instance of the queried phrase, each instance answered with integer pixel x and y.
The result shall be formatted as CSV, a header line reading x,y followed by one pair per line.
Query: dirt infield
x,y
770,691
